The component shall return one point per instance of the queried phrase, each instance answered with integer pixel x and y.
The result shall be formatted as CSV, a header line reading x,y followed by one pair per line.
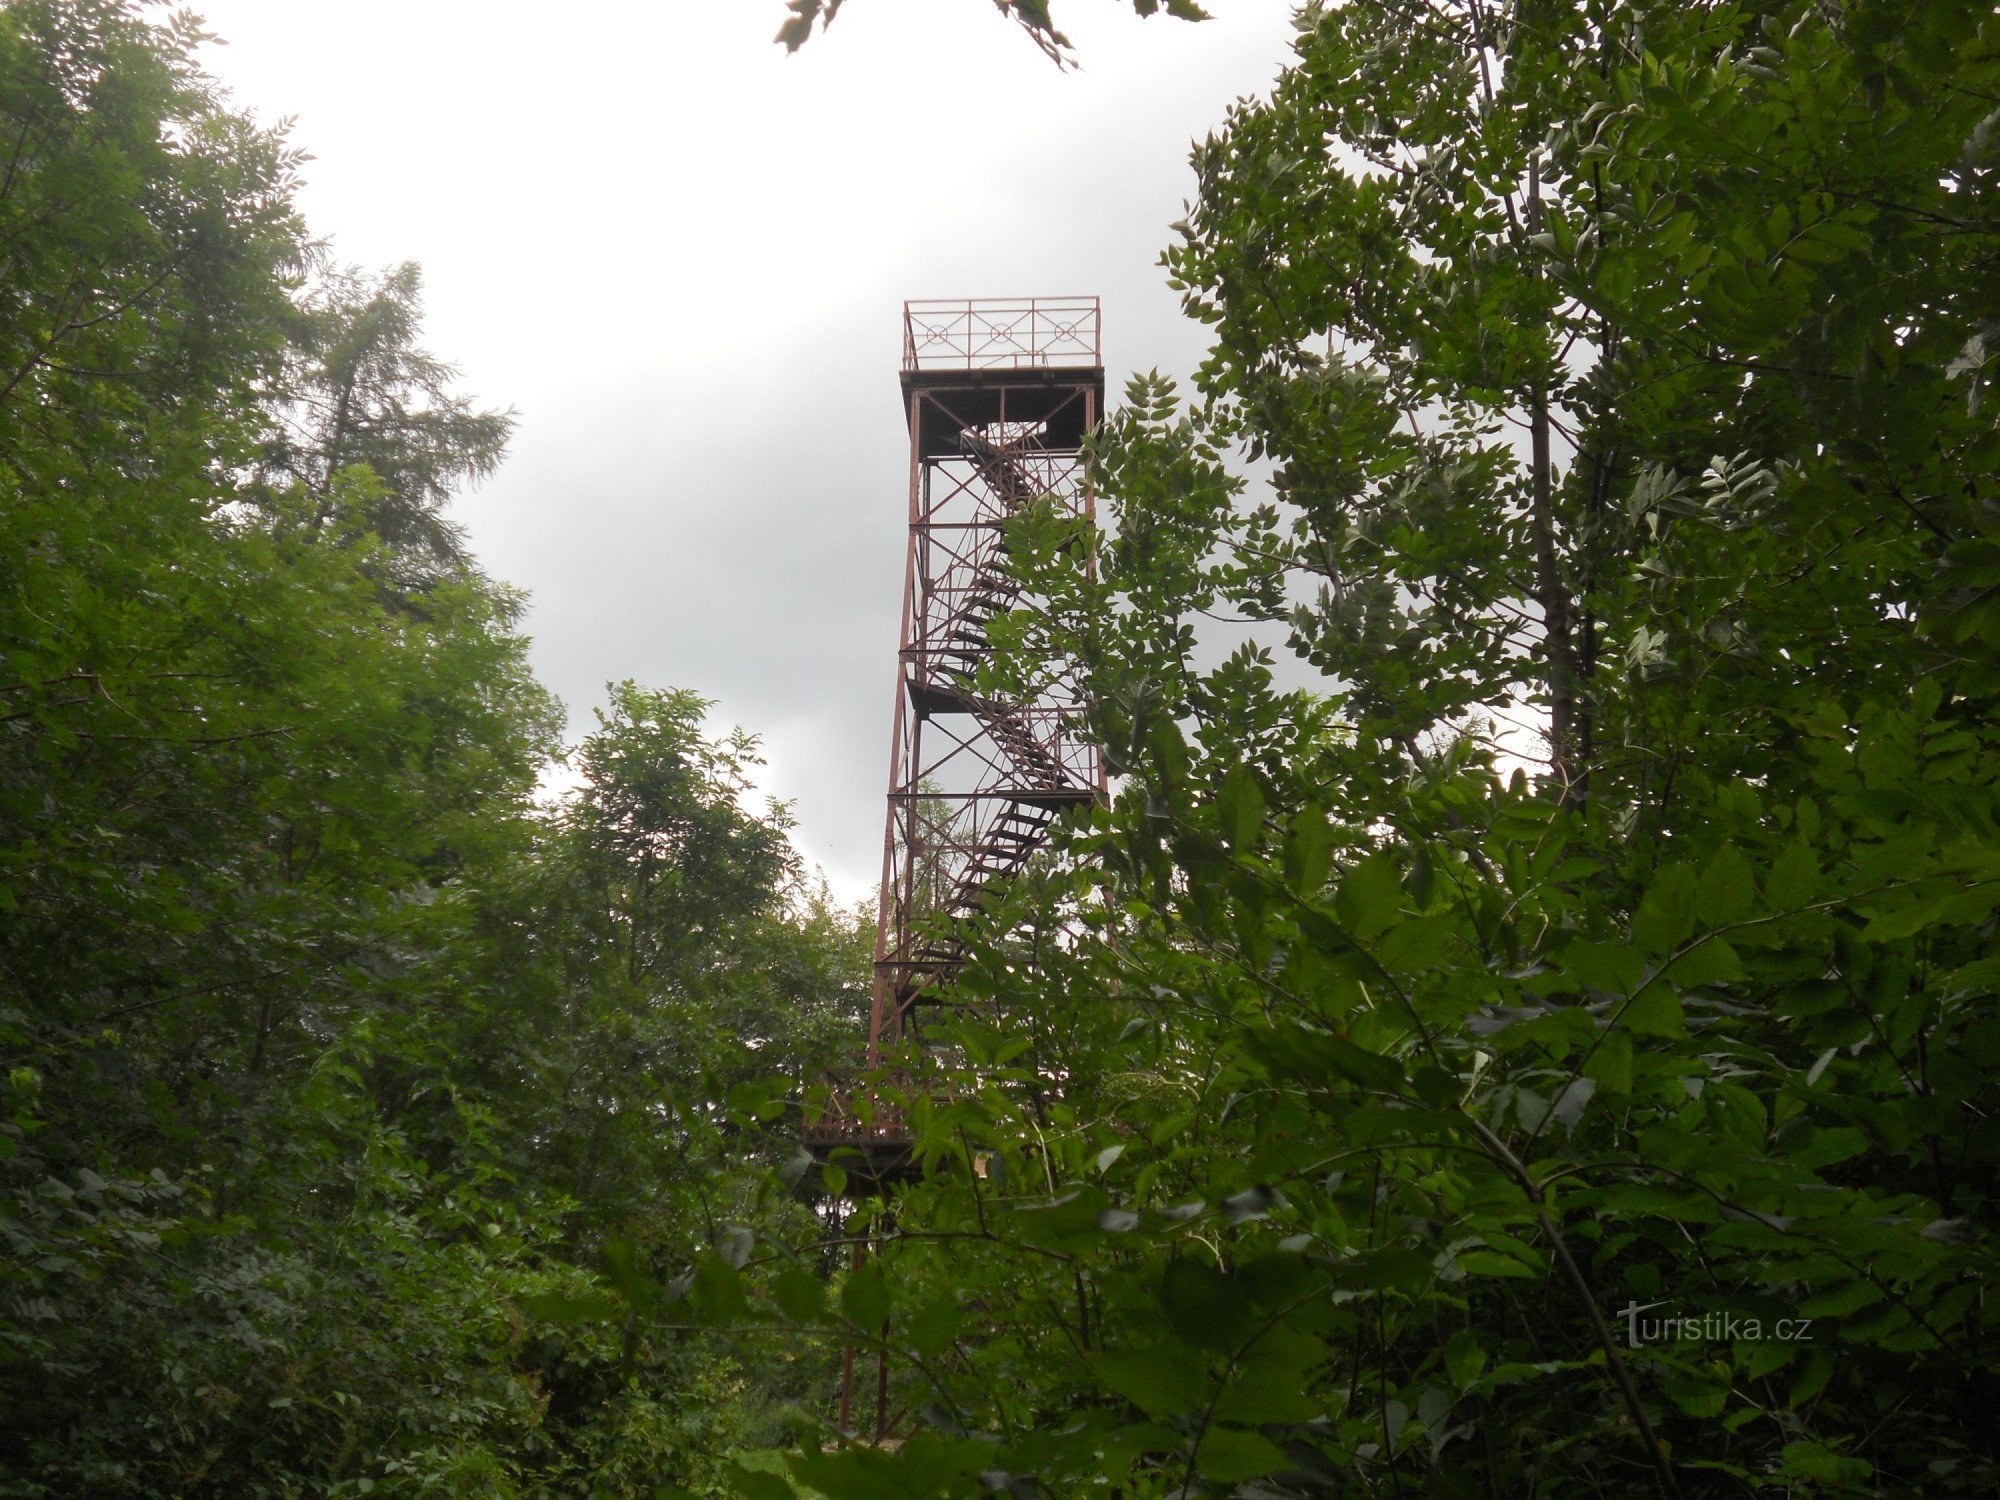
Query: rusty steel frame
x,y
999,394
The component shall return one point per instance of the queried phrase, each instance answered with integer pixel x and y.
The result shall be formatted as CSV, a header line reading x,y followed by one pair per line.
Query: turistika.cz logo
x,y
1707,1327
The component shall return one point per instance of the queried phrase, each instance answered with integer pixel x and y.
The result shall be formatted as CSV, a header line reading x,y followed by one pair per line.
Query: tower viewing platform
x,y
971,363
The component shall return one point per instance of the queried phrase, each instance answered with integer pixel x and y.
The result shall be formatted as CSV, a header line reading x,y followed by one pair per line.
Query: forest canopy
x,y
329,1047
1526,1021
1527,1018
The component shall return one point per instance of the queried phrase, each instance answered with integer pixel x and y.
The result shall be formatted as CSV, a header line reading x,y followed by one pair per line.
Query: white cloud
x,y
682,254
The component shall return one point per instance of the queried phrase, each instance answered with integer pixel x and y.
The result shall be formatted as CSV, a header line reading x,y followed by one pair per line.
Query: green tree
x,y
240,802
1032,16
665,968
147,268
1609,925
359,392
290,1118
659,951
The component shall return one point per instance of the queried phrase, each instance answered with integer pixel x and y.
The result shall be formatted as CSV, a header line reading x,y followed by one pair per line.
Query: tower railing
x,y
1000,333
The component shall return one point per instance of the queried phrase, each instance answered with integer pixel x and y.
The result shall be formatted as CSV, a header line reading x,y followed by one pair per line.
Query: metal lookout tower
x,y
998,394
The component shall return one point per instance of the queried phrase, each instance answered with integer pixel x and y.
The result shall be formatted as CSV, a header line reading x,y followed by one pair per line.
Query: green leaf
x,y
1694,1394
1308,851
751,1484
1821,1465
1436,1087
1159,1382
800,1295
1794,879
1464,1357
1711,961
1811,1379
627,1278
1414,944
1842,1301
1230,1455
932,1330
926,1465
1205,1306
1321,1058
1070,1216
717,1291
1613,967
1492,1263
1665,918
1655,1011
865,1296
1568,1105
1610,1064
1265,1394
1275,1278
592,1307
1241,805
1952,908
1727,890
1370,896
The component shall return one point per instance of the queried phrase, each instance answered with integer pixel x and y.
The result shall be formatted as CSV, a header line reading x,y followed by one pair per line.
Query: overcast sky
x,y
681,255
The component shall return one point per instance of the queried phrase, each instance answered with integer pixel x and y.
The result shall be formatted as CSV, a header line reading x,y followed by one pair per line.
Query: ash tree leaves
x,y
359,1110
1607,923
1547,661
1032,16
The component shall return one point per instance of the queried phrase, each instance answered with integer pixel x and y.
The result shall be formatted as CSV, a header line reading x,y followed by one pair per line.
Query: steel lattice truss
x,y
999,394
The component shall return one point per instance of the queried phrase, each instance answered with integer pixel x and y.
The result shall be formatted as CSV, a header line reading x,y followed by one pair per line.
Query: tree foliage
x,y
358,393
1524,1024
339,1067
1034,17
1591,923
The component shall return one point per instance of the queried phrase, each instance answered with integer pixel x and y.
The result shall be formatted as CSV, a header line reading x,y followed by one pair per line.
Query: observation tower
x,y
998,394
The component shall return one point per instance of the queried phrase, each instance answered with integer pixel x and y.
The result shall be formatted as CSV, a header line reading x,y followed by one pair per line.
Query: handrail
x,y
998,333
